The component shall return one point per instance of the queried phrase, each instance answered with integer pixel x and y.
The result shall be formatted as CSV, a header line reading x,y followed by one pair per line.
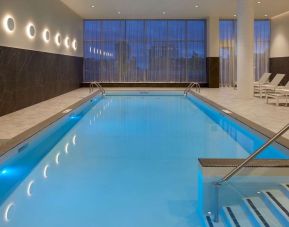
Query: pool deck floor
x,y
19,121
254,109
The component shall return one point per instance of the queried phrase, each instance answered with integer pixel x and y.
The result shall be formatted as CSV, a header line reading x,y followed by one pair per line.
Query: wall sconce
x,y
9,24
46,35
66,42
74,44
57,39
30,31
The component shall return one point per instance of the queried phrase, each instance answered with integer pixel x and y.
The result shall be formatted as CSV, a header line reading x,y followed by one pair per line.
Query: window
x,y
228,50
145,50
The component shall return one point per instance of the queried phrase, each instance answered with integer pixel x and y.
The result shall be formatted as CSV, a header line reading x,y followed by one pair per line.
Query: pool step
x,y
259,213
270,208
278,202
210,223
235,216
285,189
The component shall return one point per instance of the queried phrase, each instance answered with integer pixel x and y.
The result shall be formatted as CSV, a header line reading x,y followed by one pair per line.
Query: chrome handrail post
x,y
97,85
192,85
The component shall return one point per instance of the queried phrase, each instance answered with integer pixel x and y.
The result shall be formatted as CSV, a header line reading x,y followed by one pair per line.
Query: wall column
x,y
213,68
245,48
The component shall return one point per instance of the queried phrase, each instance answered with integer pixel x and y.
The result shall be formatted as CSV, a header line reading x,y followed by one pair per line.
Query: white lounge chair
x,y
282,92
262,89
263,80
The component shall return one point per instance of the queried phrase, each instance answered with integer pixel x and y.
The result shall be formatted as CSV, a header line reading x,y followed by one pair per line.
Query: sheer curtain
x,y
228,50
262,47
145,50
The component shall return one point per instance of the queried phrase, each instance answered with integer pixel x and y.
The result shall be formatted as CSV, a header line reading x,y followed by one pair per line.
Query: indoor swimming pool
x,y
124,160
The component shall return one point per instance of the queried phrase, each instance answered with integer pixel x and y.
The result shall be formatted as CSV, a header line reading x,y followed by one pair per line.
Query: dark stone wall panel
x,y
213,71
29,77
280,65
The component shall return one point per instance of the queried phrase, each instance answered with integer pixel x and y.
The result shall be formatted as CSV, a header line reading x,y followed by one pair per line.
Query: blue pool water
x,y
125,160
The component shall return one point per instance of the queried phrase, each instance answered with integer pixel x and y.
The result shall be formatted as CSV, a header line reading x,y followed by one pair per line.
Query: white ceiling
x,y
174,9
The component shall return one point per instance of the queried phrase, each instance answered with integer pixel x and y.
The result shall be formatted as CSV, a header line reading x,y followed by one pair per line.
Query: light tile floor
x,y
254,109
17,122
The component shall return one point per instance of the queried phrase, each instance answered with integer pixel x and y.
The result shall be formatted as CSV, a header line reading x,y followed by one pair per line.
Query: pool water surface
x,y
132,160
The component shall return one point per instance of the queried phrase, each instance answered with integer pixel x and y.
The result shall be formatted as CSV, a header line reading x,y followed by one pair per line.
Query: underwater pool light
x,y
4,171
9,171
74,117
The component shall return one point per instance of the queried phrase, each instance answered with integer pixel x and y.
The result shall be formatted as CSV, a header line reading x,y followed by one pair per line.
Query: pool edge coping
x,y
29,133
233,162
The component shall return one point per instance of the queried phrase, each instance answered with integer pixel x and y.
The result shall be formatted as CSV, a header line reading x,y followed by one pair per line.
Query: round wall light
x,y
9,24
57,39
30,31
67,42
74,44
46,35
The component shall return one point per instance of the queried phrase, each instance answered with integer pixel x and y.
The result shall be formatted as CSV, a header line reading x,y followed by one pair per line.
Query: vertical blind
x,y
145,50
228,50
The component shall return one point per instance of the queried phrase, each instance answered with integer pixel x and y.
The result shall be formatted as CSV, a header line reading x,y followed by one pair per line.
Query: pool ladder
x,y
191,86
97,85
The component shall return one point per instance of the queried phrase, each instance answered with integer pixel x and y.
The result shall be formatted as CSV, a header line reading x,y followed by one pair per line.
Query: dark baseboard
x,y
161,85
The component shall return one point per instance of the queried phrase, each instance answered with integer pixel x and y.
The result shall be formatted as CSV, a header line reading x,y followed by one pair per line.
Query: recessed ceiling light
x,y
266,15
259,2
92,6
118,12
197,6
235,15
164,13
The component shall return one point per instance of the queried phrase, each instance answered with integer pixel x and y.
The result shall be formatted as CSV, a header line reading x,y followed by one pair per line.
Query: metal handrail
x,y
98,86
192,85
233,172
